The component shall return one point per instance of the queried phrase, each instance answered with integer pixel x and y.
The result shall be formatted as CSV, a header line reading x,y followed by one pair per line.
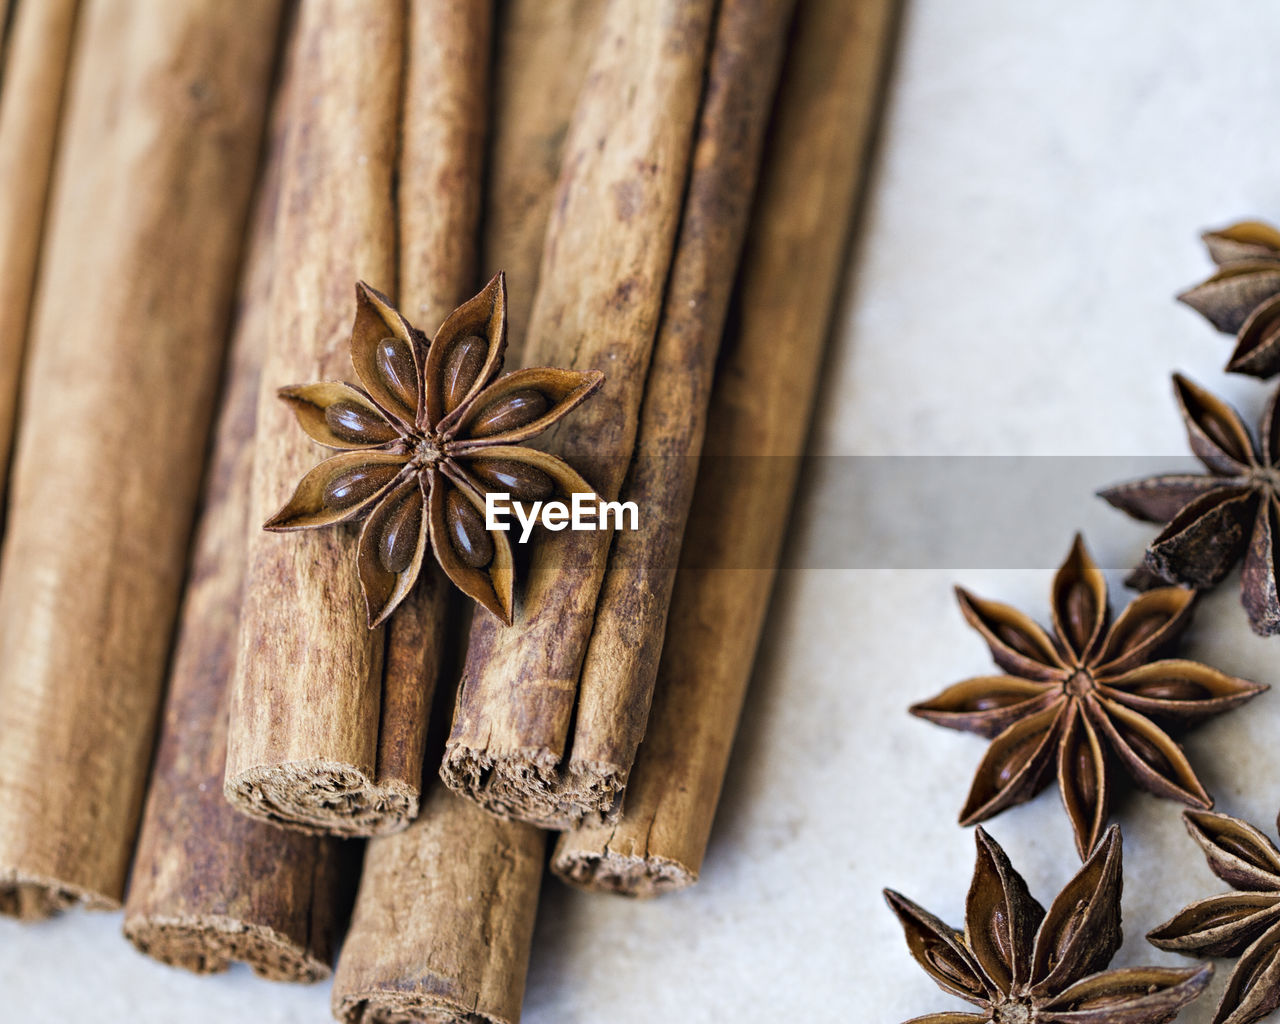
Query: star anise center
x,y
427,451
1079,683
1267,479
1013,1011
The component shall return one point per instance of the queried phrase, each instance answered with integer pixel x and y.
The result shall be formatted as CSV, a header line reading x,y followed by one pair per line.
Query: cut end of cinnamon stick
x,y
210,943
33,897
605,870
322,798
379,1006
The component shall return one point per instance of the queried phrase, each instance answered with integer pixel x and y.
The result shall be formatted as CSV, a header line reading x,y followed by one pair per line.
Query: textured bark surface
x,y
542,52
444,914
608,250
164,120
210,885
314,742
37,54
760,408
631,615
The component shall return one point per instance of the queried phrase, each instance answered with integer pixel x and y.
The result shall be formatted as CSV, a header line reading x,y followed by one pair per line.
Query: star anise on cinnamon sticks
x,y
1018,963
1244,923
1084,702
1243,295
427,436
1212,520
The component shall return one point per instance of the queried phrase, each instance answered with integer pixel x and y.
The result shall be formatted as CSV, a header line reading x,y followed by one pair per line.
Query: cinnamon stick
x,y
314,741
164,119
759,410
210,885
541,55
37,49
444,915
621,663
608,250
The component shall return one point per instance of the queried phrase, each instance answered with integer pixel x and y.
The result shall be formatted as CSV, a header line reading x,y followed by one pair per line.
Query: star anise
x,y
429,434
1017,963
1084,701
1243,295
1244,924
1212,520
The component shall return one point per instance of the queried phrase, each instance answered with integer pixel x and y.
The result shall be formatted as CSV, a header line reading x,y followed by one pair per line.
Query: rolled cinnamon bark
x,y
541,55
210,885
315,742
621,663
37,49
164,119
444,915
607,254
759,410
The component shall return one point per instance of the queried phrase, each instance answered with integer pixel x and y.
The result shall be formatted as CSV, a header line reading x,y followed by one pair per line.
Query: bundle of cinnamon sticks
x,y
193,711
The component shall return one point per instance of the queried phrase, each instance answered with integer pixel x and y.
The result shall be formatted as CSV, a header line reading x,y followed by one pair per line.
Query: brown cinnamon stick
x,y
314,741
163,122
37,52
608,250
759,410
541,55
444,915
210,885
618,672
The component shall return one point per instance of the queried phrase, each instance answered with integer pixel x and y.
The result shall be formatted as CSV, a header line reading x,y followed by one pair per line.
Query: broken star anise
x,y
1084,701
1244,924
429,434
1021,965
1212,520
1243,295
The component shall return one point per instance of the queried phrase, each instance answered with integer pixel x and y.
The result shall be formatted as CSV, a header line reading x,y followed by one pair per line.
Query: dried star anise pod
x,y
1084,701
431,433
1212,520
1244,924
1017,963
1243,295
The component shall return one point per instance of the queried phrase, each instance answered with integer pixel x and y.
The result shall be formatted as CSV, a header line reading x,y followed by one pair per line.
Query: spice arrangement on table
x,y
233,231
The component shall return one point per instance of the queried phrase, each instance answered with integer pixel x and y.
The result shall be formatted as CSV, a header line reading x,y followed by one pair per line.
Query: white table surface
x,y
1042,177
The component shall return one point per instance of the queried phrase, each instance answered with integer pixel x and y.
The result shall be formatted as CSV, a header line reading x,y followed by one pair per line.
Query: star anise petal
x,y
1253,989
1079,603
393,543
1082,780
1157,499
986,705
1228,297
951,1018
1151,623
1001,916
941,951
339,416
1205,540
1017,643
386,352
1015,767
1156,763
1222,925
524,473
478,561
1244,240
1081,931
1259,592
1237,852
1131,995
343,487
519,406
465,355
1217,434
1257,351
1178,690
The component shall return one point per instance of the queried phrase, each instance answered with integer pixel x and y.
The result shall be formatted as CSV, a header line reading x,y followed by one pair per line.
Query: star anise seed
x,y
433,429
1212,520
1018,963
1084,702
